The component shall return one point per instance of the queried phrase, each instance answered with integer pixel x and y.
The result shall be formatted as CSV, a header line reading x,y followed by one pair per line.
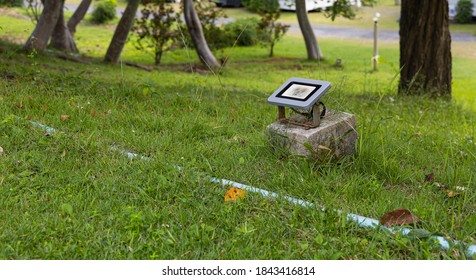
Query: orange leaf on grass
x,y
398,217
65,118
232,194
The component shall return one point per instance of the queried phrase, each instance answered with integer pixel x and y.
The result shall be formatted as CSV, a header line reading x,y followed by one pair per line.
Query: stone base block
x,y
334,138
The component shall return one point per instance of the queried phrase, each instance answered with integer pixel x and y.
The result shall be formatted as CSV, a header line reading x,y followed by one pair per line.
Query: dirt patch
x,y
14,40
464,49
7,76
8,12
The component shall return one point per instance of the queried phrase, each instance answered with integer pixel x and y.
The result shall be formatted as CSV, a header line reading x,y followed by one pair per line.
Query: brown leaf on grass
x,y
451,193
93,113
65,118
430,178
398,217
232,194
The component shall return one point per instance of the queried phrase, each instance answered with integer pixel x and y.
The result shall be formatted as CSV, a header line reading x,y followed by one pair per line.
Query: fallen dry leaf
x,y
64,118
430,178
93,113
232,194
1,151
451,193
398,217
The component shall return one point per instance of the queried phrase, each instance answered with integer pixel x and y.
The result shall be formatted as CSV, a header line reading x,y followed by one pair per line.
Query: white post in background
x,y
375,57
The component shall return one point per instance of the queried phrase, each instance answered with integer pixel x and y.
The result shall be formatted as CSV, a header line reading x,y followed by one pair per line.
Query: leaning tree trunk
x,y
38,40
196,32
62,39
122,31
78,16
425,48
312,47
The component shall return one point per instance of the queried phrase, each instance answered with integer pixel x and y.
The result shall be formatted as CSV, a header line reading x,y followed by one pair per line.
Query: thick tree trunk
x,y
78,16
196,32
38,40
312,47
425,48
61,39
122,31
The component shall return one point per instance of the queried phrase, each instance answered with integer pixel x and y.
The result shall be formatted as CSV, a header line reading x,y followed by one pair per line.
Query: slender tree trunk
x,y
425,48
312,47
38,40
78,16
196,32
61,39
122,31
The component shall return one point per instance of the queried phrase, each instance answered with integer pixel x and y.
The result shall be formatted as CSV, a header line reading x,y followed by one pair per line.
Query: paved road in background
x,y
329,31
362,33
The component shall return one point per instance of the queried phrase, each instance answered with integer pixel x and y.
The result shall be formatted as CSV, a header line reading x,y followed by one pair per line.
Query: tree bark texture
x,y
198,38
312,46
62,39
122,31
425,48
40,36
78,16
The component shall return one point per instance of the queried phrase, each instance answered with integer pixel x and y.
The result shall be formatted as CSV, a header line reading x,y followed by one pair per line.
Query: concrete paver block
x,y
334,138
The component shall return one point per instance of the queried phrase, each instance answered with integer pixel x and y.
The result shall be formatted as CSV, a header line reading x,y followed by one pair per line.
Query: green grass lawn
x,y
67,195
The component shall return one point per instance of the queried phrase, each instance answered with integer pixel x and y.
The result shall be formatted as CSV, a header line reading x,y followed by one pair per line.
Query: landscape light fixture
x,y
302,96
375,57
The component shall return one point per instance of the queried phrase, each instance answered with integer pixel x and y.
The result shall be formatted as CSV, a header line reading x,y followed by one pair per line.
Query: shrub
x,y
104,11
11,3
464,11
261,5
156,30
243,31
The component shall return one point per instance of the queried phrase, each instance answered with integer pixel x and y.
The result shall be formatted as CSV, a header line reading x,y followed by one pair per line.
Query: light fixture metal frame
x,y
309,102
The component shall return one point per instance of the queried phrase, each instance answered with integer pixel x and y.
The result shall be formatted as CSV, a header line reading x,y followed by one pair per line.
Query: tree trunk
x,y
196,32
425,48
61,39
78,16
122,31
312,47
38,40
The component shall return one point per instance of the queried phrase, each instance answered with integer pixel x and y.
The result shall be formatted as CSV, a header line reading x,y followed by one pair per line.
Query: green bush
x,y
11,3
243,31
104,11
261,6
464,11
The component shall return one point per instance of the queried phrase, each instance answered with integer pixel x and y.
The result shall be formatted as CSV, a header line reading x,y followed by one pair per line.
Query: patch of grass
x,y
67,195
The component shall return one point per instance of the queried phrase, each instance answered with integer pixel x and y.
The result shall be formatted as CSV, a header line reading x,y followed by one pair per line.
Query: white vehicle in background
x,y
311,5
452,5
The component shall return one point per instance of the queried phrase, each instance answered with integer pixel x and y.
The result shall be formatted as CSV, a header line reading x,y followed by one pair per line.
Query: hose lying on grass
x,y
360,220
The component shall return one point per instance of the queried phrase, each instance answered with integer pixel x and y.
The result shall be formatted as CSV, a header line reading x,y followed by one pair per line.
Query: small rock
x,y
1,151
